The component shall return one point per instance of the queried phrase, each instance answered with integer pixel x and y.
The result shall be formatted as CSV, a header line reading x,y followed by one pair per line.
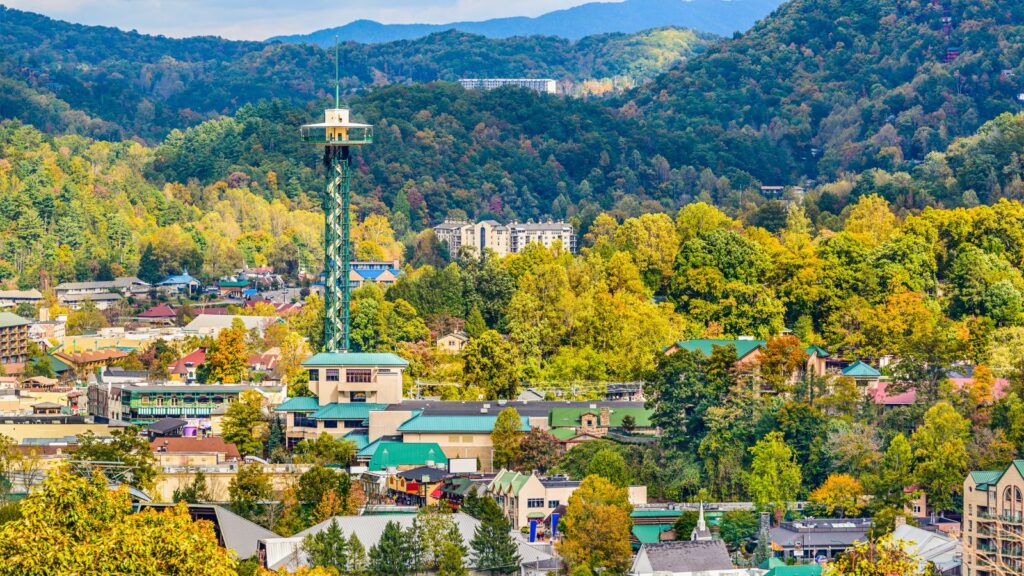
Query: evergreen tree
x,y
393,555
494,550
357,562
149,266
451,561
475,325
194,492
327,548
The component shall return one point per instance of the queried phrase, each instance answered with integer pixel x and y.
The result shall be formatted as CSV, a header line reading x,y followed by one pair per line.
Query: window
x,y
552,503
453,439
314,375
357,375
467,439
535,503
333,375
351,423
330,423
302,420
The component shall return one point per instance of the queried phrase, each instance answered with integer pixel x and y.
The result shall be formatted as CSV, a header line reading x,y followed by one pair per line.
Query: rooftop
x,y
355,359
10,320
860,370
346,411
682,556
438,424
389,453
565,417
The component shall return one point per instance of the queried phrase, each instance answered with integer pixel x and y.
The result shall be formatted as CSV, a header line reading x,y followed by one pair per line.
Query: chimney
x,y
44,314
605,417
900,520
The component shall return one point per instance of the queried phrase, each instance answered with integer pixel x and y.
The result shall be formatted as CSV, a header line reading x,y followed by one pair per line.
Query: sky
x,y
261,19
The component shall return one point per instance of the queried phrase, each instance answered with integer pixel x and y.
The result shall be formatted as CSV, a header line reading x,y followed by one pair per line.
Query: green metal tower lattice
x,y
337,135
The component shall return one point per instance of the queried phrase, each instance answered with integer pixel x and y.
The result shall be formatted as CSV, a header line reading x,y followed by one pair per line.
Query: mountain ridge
x,y
720,17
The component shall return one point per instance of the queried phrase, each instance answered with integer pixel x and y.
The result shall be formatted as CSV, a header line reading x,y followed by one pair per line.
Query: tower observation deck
x,y
337,134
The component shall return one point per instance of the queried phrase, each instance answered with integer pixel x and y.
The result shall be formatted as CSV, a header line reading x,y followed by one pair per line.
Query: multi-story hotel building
x,y
542,85
14,338
993,524
500,239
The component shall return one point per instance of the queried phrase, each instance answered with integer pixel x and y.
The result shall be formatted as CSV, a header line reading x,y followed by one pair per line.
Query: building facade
x,y
541,85
14,338
501,239
993,523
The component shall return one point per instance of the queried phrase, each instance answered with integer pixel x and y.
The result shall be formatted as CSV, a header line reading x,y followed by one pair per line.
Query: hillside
x,y
112,84
721,17
842,85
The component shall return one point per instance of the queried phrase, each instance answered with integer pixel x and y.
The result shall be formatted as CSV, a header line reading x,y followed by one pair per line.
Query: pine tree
x,y
494,550
475,325
393,555
357,562
327,548
451,561
194,492
149,266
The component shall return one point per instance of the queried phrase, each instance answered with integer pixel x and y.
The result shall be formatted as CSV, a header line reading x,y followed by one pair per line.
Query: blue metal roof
x,y
861,370
178,279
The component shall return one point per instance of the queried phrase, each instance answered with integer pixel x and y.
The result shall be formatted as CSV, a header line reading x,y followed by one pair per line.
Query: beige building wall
x,y
281,477
993,525
386,423
384,387
460,445
20,432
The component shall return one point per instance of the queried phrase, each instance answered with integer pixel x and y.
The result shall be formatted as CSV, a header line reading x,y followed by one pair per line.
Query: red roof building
x,y
159,312
184,368
171,451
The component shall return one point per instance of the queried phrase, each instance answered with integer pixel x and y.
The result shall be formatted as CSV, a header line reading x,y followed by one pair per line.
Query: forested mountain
x,y
824,87
107,83
722,17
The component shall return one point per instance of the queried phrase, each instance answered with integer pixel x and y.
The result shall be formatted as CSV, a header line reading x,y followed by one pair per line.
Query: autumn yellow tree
x,y
596,528
883,557
228,360
783,356
840,494
77,525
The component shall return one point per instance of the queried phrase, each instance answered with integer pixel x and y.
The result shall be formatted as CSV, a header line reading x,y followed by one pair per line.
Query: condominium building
x,y
993,524
13,338
501,239
541,85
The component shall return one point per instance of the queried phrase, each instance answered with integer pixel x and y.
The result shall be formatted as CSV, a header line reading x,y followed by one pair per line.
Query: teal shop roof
x,y
360,439
346,411
330,359
443,424
299,404
387,454
821,352
706,345
860,370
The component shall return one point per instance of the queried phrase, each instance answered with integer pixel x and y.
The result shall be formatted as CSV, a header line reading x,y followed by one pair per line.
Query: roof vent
x,y
745,338
486,406
483,410
593,406
502,402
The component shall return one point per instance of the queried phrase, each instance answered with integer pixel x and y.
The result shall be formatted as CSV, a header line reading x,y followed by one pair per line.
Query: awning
x,y
535,515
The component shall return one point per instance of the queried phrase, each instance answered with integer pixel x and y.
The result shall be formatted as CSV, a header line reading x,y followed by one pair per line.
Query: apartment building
x,y
14,338
541,85
993,523
501,239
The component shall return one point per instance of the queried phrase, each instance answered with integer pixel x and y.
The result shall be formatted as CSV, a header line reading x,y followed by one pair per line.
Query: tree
x,y
775,477
596,528
628,423
250,486
506,437
475,325
325,449
684,386
126,446
194,492
783,356
685,524
610,465
493,548
883,557
357,560
243,424
840,494
940,454
738,526
894,473
393,555
228,359
319,483
87,319
77,525
538,451
451,562
38,362
435,529
489,362
327,548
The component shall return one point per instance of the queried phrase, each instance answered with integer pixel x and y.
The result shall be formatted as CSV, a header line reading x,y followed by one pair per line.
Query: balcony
x,y
1009,518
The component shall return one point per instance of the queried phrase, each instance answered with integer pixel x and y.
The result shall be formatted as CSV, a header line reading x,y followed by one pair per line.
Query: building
x,y
500,239
453,342
383,273
125,286
212,324
287,553
540,85
862,373
812,538
179,284
993,521
598,421
528,497
416,486
546,233
942,551
159,314
11,298
749,352
194,451
685,558
102,301
185,369
233,532
232,288
459,437
14,338
144,404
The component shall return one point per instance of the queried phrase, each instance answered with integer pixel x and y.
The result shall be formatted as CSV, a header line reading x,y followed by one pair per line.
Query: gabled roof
x,y
358,437
346,411
860,370
682,556
299,404
354,359
159,311
982,478
707,345
821,352
235,532
178,279
9,320
436,424
166,425
649,533
388,453
190,360
796,570
432,474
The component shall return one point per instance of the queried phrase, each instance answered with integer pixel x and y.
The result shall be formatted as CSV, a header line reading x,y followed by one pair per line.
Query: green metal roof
x,y
360,439
233,283
299,404
655,513
346,411
797,570
438,424
405,454
821,352
860,370
565,417
770,563
354,359
985,477
706,345
649,533
8,320
369,450
563,434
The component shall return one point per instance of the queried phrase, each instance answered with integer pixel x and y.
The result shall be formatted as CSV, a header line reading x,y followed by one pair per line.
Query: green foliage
x,y
394,554
127,446
248,489
193,492
493,549
775,477
325,449
685,524
738,526
506,438
609,465
489,363
244,424
327,548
